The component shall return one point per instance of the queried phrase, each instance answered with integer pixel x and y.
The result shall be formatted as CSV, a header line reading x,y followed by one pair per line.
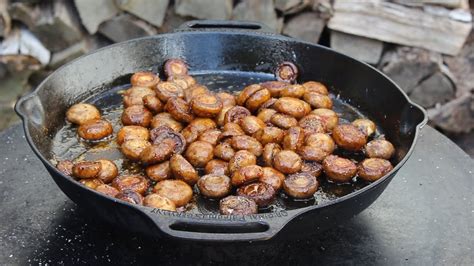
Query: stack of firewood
x,y
426,46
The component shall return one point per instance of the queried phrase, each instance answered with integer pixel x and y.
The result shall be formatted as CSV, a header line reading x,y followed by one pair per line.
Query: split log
x,y
394,23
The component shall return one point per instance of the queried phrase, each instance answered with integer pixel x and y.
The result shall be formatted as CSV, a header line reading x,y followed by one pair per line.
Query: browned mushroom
x,y
283,121
237,205
231,130
211,136
144,79
349,137
135,95
247,143
269,135
217,166
272,177
287,162
81,113
214,185
95,129
295,91
177,191
235,114
292,107
365,125
269,152
224,151
300,185
107,190
312,124
158,153
127,133
372,169
175,67
206,105
91,183
156,201
241,159
262,193
246,174
130,196
179,109
317,100
195,90
339,169
379,148
86,169
184,81
159,171
328,118
137,115
132,149
257,99
313,168
183,170
165,90
135,183
318,87
108,171
251,124
266,115
275,87
199,153
165,119
287,72
293,139
227,99
66,166
162,134
245,94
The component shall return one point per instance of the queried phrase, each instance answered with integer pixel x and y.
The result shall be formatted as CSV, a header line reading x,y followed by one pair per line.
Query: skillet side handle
x,y
224,25
29,108
420,115
218,228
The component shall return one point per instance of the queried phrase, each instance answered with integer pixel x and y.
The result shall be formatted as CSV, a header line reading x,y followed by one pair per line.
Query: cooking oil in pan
x,y
68,146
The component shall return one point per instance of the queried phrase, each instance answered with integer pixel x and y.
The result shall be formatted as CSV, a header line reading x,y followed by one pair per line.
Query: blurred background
x,y
426,46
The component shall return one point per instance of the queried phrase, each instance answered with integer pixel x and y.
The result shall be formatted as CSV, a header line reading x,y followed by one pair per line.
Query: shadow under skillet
x,y
424,217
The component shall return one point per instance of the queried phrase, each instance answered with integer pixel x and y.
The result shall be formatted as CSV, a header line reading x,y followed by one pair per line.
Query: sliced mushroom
x,y
287,72
374,168
175,67
179,192
237,205
246,174
95,129
262,193
82,112
156,201
214,185
144,79
183,170
300,185
135,183
339,169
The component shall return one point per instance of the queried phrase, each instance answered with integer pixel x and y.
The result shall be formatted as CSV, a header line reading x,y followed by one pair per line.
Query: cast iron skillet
x,y
221,47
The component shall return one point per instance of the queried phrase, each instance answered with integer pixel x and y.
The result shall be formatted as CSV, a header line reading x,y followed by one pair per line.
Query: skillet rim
x,y
261,216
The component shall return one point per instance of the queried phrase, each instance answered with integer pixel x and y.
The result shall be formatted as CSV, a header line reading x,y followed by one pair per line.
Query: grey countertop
x,y
424,217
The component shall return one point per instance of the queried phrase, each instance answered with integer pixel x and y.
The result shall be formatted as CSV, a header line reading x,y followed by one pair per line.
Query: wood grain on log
x,y
394,23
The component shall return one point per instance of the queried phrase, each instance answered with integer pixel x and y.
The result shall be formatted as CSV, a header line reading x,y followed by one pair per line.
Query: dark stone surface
x,y
423,218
